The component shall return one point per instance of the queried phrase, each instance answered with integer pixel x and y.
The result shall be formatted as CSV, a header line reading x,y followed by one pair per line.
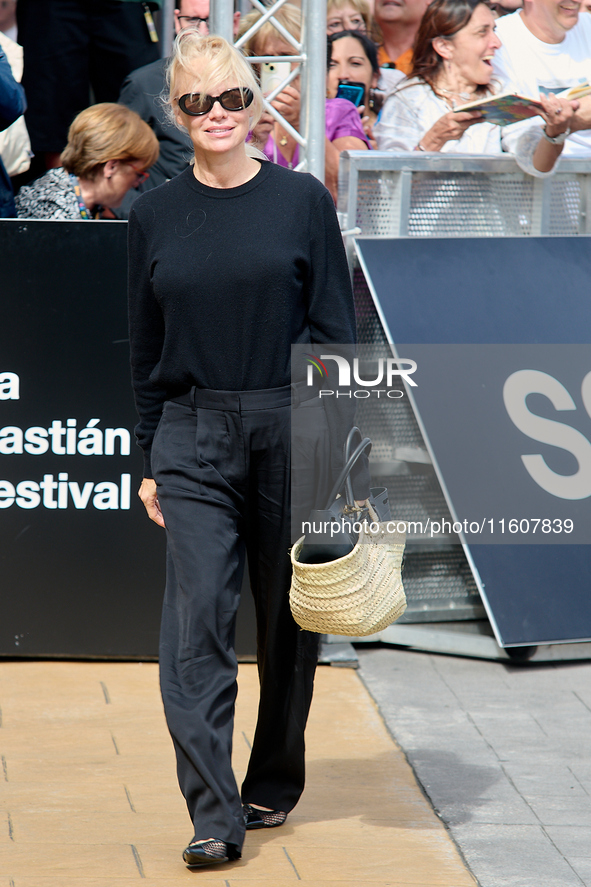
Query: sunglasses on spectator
x,y
198,103
193,21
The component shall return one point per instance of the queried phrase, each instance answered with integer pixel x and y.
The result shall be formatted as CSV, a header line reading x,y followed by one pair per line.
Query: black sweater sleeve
x,y
331,313
146,326
332,320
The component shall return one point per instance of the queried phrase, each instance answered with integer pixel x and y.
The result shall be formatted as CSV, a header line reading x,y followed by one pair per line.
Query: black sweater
x,y
223,281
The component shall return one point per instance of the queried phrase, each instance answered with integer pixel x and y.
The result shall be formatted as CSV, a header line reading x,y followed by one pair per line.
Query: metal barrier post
x,y
167,28
221,19
312,117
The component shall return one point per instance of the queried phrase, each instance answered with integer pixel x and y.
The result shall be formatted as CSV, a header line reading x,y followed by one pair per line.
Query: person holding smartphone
x,y
353,73
344,130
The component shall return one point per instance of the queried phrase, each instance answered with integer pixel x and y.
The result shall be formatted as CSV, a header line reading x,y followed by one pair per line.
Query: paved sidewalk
x,y
88,794
503,751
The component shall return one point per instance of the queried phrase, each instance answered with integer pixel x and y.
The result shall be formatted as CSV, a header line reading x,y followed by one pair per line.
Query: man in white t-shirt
x,y
546,48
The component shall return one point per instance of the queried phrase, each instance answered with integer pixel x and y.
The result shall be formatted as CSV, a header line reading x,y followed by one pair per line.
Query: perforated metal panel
x,y
376,204
469,205
369,328
487,207
568,207
438,585
413,195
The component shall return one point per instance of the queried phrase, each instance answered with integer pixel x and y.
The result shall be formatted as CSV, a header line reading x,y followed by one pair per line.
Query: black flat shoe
x,y
209,852
254,818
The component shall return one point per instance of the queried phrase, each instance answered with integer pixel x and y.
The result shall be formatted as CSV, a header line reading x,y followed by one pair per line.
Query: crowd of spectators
x,y
453,54
396,71
343,127
108,151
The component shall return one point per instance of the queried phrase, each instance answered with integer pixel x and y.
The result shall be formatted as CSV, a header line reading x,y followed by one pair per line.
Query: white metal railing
x,y
386,194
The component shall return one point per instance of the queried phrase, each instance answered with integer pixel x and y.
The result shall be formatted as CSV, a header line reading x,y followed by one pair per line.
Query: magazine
x,y
509,107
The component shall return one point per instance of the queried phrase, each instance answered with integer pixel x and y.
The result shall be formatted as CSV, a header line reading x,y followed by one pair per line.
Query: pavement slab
x,y
89,798
503,753
527,858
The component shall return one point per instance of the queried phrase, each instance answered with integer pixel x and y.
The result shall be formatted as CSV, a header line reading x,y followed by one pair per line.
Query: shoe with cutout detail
x,y
254,818
209,851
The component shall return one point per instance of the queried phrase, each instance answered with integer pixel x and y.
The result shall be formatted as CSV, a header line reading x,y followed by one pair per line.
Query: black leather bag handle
x,y
355,432
344,478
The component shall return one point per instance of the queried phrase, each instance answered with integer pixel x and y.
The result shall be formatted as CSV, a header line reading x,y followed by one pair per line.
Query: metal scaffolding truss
x,y
310,56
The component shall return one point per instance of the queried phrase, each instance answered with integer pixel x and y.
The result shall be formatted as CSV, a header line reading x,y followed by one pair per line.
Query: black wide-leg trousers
x,y
221,461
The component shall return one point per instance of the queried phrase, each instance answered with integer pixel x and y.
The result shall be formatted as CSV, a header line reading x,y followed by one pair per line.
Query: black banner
x,y
81,566
498,328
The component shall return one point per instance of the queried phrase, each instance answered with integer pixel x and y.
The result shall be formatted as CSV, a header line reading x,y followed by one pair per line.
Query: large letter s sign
x,y
515,391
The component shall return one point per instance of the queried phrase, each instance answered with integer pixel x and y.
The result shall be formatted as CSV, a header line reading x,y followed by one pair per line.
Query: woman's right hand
x,y
149,496
558,114
288,105
449,128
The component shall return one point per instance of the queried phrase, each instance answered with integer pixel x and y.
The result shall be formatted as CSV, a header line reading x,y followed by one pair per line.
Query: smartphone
x,y
354,92
273,74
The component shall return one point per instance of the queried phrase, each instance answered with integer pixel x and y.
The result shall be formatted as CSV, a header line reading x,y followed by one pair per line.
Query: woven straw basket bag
x,y
356,595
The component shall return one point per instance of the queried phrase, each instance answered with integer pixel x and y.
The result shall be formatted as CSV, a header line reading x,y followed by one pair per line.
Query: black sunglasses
x,y
197,103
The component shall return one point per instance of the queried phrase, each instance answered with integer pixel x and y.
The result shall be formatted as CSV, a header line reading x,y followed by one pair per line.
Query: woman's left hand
x,y
148,493
288,105
558,114
260,132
